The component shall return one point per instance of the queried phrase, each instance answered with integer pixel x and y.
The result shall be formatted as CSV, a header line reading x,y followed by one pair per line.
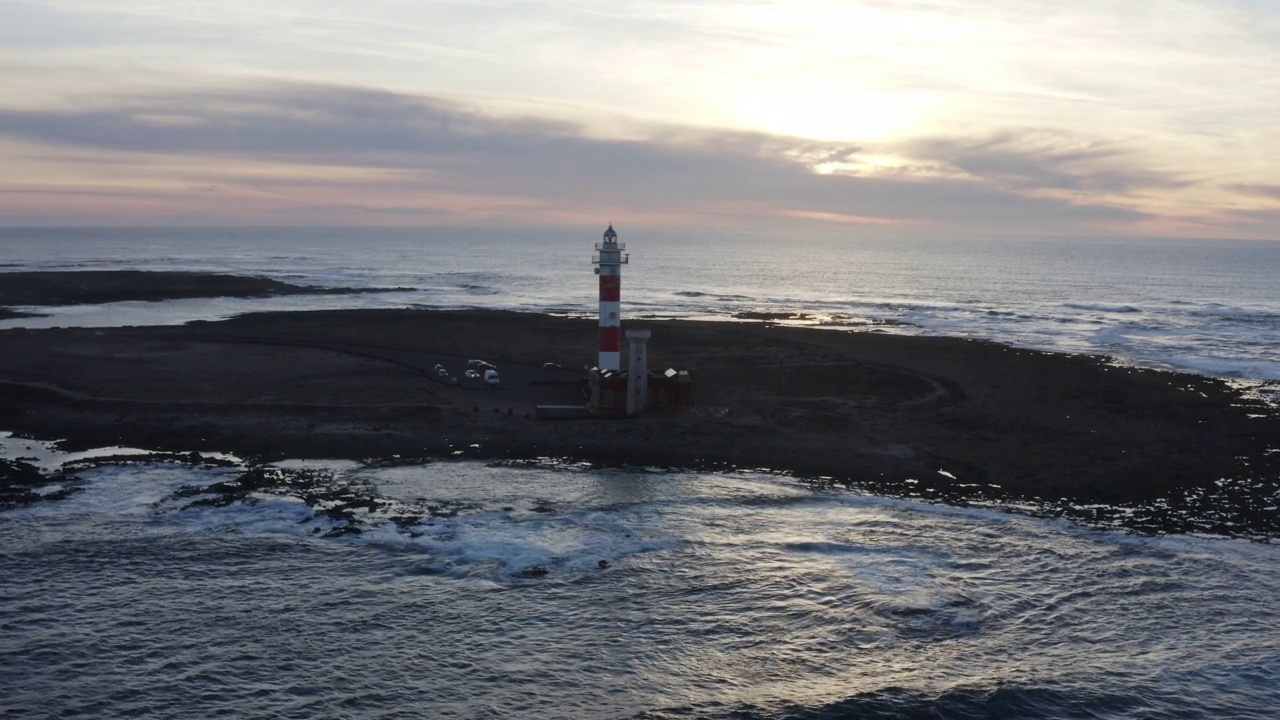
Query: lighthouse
x,y
609,260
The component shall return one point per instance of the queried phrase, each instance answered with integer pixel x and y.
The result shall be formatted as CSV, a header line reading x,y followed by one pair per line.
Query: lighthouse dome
x,y
610,235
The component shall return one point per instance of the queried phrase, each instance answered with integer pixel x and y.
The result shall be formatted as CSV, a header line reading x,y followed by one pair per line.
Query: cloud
x,y
297,121
1034,159
427,158
1267,221
1266,191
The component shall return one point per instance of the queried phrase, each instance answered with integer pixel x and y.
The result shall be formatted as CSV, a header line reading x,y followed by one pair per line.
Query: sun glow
x,y
821,109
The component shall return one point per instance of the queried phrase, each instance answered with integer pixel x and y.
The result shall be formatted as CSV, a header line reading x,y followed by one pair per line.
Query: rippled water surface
x,y
456,589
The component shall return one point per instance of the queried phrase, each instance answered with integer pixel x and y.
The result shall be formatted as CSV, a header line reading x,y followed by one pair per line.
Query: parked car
x,y
480,365
491,377
441,372
472,374
551,366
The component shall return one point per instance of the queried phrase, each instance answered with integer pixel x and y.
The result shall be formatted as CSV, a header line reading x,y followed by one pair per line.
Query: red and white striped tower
x,y
609,261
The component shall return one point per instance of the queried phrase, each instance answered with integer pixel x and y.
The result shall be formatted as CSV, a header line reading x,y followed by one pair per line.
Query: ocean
x,y
153,586
544,591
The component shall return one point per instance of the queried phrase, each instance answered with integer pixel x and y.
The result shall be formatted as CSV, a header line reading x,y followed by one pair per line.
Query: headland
x,y
91,287
952,418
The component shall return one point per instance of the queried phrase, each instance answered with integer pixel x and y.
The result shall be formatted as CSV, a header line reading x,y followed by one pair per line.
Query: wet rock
x,y
22,483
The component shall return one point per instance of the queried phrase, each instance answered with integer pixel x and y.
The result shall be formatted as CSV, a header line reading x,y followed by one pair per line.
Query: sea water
x,y
475,591
1204,306
457,589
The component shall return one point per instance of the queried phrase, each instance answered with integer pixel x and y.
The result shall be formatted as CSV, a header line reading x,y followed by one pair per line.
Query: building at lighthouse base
x,y
609,391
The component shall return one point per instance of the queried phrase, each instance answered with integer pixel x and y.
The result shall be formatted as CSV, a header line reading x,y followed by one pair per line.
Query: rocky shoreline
x,y
949,419
91,287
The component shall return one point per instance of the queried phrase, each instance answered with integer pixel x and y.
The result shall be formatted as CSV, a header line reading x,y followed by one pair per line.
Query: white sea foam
x,y
115,492
331,464
45,455
259,514
48,457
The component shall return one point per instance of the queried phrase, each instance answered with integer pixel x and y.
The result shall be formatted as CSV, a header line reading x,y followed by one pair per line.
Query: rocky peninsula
x,y
956,419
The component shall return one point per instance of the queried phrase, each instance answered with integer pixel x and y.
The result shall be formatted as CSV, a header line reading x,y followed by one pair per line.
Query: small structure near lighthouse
x,y
637,371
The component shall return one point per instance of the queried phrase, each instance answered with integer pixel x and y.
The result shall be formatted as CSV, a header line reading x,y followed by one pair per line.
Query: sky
x,y
877,118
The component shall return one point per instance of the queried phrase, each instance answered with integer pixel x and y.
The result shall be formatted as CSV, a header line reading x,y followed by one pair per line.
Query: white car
x,y
491,377
472,374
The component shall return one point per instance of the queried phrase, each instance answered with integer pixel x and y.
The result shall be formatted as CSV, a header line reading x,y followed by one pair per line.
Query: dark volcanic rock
x,y
92,287
22,484
871,410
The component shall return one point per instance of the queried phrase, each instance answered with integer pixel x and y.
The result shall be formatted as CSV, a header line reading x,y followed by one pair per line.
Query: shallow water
x,y
478,591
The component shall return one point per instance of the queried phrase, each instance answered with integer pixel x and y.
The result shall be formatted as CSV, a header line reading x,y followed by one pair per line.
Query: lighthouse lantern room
x,y
609,260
